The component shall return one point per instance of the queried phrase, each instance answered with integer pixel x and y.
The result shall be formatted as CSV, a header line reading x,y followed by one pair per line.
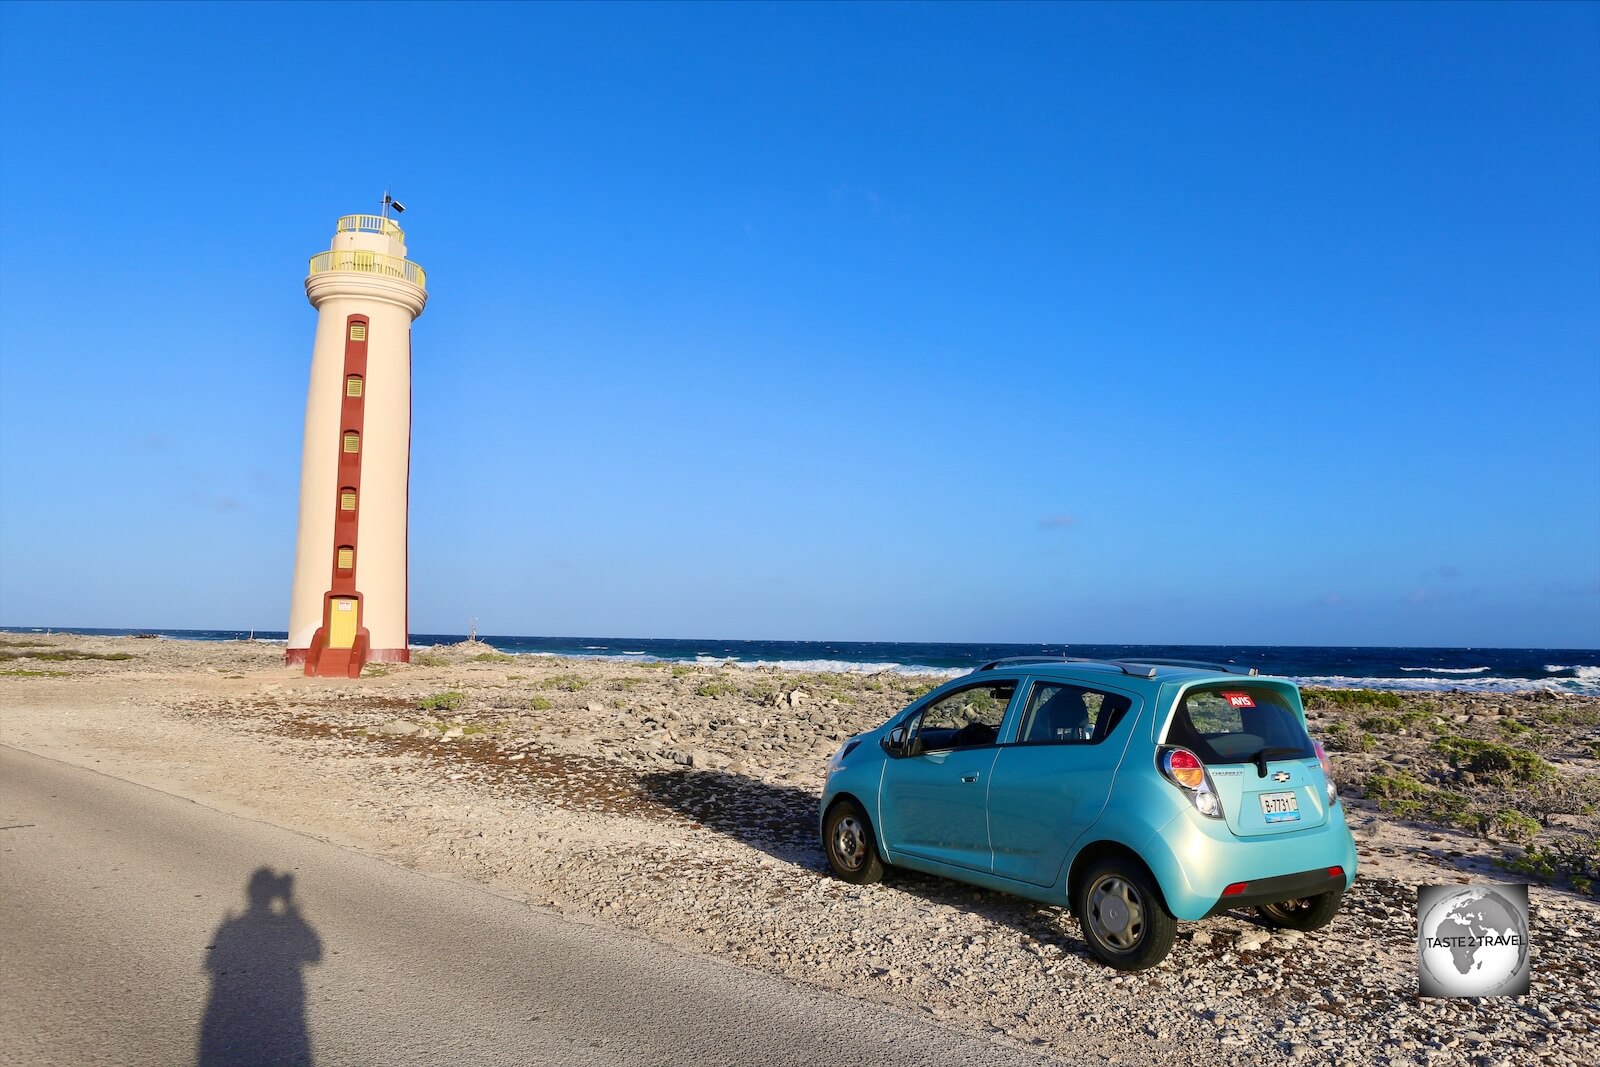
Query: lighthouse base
x,y
298,657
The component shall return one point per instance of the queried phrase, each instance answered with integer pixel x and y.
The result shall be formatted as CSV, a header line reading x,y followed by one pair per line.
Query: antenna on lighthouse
x,y
391,202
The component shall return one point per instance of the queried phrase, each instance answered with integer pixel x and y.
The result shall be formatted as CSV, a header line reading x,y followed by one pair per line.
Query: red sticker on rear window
x,y
1240,700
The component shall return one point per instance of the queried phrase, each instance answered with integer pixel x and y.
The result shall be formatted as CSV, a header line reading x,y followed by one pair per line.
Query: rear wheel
x,y
1125,922
848,840
1309,913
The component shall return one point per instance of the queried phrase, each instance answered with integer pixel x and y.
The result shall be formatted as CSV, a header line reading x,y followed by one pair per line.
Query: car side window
x,y
967,718
1070,714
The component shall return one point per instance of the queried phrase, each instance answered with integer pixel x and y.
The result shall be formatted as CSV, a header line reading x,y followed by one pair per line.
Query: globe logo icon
x,y
1472,941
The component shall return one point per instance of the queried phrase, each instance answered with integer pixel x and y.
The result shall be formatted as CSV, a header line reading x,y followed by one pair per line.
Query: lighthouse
x,y
348,605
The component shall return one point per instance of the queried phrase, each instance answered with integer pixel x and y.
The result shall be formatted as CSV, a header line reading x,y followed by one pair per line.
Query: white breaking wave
x,y
840,666
1582,686
1448,670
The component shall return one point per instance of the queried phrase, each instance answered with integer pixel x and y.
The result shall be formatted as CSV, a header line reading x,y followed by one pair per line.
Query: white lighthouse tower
x,y
349,600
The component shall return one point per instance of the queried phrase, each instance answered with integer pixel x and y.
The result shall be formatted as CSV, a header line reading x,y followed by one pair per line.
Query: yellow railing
x,y
370,263
370,224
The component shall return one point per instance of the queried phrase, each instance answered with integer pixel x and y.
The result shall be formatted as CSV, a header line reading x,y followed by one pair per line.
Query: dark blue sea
x,y
1478,669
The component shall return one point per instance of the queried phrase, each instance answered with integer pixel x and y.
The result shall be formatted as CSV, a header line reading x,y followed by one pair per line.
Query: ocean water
x,y
1489,670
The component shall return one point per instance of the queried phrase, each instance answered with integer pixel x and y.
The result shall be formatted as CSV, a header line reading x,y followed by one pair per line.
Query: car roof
x,y
1145,670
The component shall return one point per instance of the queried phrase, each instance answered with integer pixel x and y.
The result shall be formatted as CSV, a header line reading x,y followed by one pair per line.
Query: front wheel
x,y
848,840
1311,913
1125,922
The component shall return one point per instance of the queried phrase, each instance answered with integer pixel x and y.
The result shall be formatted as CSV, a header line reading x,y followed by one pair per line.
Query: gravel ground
x,y
682,803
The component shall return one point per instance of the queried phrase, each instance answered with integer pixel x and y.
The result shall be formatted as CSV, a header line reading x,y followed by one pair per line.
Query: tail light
x,y
1183,769
1327,773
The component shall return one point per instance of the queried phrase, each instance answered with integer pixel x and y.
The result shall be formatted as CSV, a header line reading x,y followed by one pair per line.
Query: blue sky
x,y
1264,323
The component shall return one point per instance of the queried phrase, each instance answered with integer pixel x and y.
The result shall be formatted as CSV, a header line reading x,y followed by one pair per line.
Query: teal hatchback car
x,y
1135,793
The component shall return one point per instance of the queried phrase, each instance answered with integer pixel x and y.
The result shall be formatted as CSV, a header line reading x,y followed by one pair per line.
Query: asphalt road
x,y
139,928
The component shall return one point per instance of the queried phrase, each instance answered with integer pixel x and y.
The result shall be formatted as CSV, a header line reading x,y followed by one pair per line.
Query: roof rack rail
x,y
1130,669
1225,668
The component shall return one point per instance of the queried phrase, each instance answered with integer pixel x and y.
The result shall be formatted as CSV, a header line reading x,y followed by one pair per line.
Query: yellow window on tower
x,y
347,500
352,441
358,331
347,558
352,385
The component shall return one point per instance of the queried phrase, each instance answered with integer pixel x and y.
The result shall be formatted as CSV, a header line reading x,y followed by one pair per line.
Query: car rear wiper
x,y
1272,753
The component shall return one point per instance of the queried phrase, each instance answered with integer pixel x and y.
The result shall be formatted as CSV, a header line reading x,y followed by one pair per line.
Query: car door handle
x,y
969,778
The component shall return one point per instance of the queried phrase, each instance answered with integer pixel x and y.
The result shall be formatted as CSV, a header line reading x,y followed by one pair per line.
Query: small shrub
x,y
1346,738
1394,724
20,673
681,669
762,692
1493,759
1515,826
449,700
1575,860
492,657
1593,748
538,703
1405,796
716,689
624,683
1511,727
429,659
569,682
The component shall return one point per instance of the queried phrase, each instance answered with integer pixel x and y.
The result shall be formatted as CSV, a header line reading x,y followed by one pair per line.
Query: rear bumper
x,y
1280,888
1194,859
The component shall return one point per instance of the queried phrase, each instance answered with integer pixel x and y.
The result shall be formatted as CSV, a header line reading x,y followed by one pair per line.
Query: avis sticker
x,y
1240,700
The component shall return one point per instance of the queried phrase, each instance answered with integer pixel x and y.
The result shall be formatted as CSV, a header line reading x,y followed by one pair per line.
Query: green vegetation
x,y
16,672
449,700
25,643
1346,738
1350,698
492,657
681,669
377,670
626,682
762,692
1394,724
63,655
539,703
716,689
1511,825
1406,796
1493,759
429,659
1575,861
1594,749
570,682
1511,727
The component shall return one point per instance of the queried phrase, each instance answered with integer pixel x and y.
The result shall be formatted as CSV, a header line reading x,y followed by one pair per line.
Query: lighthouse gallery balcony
x,y
370,261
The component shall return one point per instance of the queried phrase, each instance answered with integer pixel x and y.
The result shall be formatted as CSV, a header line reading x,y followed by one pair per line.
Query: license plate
x,y
1280,807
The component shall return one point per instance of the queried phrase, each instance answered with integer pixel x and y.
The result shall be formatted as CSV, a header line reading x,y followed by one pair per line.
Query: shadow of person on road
x,y
257,1011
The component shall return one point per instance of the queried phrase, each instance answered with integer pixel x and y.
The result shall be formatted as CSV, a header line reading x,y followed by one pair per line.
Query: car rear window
x,y
1231,724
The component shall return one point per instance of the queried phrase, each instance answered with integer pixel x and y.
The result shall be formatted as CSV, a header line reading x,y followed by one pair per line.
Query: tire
x,y
850,844
1125,922
1311,913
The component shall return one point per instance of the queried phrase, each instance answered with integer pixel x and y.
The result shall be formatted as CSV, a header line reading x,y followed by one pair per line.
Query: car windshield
x,y
1229,724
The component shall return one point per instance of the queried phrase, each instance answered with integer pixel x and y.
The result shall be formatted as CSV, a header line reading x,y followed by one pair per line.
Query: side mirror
x,y
898,743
